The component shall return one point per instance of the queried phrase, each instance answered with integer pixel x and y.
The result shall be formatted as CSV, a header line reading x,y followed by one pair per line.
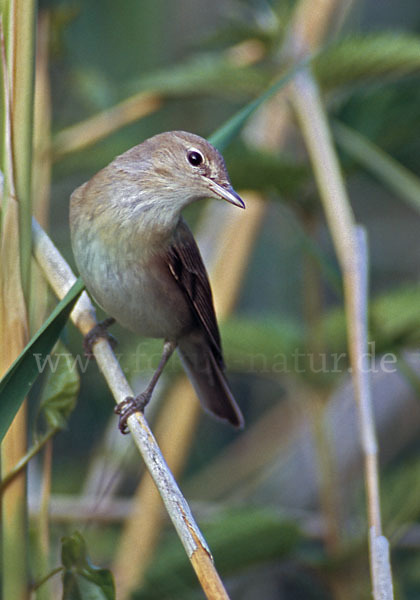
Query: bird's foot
x,y
99,331
128,407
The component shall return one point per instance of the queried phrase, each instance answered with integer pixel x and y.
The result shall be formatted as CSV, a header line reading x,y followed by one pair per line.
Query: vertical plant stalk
x,y
313,122
312,20
61,278
43,538
327,472
21,65
270,127
41,162
41,185
17,83
226,257
310,23
41,172
378,544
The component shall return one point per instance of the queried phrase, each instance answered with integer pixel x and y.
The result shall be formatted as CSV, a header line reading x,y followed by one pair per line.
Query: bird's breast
x,y
129,278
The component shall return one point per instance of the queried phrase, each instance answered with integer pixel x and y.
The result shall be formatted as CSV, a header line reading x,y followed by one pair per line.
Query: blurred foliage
x,y
207,61
401,487
365,58
206,74
266,171
238,538
394,322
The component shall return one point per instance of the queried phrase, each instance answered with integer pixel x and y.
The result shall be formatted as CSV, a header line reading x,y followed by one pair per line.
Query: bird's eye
x,y
195,158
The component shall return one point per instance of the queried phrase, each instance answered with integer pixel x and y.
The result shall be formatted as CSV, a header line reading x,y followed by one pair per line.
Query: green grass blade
x,y
388,170
222,136
20,377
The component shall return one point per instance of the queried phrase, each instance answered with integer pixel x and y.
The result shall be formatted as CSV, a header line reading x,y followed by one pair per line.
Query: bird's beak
x,y
226,193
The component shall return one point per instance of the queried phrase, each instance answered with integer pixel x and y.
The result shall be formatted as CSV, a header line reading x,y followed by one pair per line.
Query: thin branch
x,y
22,463
226,256
47,577
361,379
60,277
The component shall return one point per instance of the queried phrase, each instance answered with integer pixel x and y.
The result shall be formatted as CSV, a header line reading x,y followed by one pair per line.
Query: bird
x,y
139,259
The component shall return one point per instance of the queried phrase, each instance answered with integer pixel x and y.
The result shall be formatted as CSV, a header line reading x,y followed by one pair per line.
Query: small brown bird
x,y
139,259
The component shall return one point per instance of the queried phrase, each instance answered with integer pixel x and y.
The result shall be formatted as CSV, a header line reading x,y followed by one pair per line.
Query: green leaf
x,y
388,170
61,388
362,58
221,138
20,377
81,579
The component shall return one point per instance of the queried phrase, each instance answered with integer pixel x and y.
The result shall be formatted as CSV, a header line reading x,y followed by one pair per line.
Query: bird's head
x,y
176,168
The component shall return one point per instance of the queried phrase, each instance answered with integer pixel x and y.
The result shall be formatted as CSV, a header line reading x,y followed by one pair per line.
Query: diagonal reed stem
x,y
61,278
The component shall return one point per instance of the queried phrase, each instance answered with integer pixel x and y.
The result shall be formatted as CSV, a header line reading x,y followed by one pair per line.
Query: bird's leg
x,y
131,405
100,330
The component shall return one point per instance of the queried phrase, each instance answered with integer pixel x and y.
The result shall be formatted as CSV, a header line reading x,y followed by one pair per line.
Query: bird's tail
x,y
208,379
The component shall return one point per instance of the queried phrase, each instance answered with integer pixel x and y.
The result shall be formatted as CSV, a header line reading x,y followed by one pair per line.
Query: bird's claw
x,y
100,330
129,406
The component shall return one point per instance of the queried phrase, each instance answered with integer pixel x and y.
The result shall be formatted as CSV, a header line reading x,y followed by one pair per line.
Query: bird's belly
x,y
141,295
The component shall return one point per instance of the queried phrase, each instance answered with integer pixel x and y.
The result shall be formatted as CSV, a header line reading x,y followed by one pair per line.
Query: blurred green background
x,y
276,486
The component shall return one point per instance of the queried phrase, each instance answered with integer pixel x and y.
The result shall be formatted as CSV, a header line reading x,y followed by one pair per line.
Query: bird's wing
x,y
187,267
